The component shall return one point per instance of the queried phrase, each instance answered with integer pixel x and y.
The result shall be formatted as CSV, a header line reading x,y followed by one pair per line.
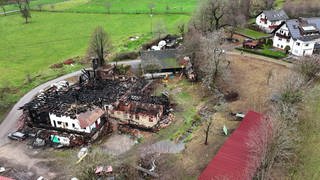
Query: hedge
x,y
259,53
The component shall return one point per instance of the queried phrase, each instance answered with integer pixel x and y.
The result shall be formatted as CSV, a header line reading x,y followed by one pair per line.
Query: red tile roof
x,y
5,178
232,160
89,117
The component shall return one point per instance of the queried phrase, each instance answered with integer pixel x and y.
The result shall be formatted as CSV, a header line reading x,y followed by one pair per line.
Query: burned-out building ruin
x,y
86,107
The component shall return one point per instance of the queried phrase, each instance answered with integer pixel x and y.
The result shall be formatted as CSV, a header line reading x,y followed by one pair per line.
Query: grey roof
x,y
276,15
293,26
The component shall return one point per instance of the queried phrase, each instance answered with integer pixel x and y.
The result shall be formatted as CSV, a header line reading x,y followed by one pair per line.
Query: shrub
x,y
287,49
261,53
126,55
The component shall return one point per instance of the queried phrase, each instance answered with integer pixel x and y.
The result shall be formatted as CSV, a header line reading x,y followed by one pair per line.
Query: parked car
x,y
19,136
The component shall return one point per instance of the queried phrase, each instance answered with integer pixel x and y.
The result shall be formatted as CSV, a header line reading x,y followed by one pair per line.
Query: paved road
x,y
9,124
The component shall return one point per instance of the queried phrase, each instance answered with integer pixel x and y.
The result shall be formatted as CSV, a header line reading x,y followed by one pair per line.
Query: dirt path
x,y
18,154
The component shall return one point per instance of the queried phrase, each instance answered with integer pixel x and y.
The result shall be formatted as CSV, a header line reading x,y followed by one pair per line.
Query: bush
x,y
269,42
261,53
126,55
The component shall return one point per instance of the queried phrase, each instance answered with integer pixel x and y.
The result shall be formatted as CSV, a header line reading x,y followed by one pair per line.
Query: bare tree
x,y
297,9
209,16
309,67
213,59
213,15
274,139
208,124
24,9
108,6
2,5
100,45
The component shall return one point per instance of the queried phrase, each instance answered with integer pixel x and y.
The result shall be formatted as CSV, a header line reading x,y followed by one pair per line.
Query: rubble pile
x,y
72,113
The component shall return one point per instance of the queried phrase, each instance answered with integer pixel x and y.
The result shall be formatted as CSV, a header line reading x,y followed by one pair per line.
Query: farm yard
x,y
159,89
54,37
189,98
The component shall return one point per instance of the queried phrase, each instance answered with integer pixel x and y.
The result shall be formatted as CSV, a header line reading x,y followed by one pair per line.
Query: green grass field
x,y
115,6
138,6
251,33
54,37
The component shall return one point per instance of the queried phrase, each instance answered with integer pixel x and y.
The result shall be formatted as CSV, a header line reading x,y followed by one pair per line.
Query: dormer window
x,y
298,44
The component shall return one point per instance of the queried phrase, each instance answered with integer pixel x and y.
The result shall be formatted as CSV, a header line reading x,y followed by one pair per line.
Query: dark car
x,y
19,136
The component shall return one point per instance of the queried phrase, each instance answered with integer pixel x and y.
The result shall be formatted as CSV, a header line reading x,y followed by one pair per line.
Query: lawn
x,y
138,6
116,6
251,33
54,37
33,4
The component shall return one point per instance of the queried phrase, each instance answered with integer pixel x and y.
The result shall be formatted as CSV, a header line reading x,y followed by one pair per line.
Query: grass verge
x,y
251,33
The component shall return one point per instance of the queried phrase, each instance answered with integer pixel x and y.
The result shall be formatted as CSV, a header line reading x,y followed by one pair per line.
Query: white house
x,y
269,20
84,122
302,36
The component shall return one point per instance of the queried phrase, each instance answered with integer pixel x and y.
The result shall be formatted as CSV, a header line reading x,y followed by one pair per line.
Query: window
x,y
307,44
150,119
280,39
281,31
73,125
298,44
59,122
66,124
277,45
281,46
288,40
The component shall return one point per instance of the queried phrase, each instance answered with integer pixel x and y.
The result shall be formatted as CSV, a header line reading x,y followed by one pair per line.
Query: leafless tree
x,y
209,16
2,5
108,6
273,140
213,15
213,61
208,124
309,67
24,9
100,45
297,9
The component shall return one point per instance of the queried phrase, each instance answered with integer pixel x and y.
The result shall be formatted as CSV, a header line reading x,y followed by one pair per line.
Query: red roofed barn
x,y
233,160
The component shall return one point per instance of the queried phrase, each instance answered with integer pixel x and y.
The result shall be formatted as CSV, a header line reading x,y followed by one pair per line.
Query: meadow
x,y
28,50
113,6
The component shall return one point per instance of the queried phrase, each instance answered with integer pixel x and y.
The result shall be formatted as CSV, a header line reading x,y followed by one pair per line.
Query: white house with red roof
x,y
85,122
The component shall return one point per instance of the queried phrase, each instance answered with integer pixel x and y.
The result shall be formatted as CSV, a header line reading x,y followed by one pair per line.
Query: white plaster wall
x,y
264,26
304,49
66,122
